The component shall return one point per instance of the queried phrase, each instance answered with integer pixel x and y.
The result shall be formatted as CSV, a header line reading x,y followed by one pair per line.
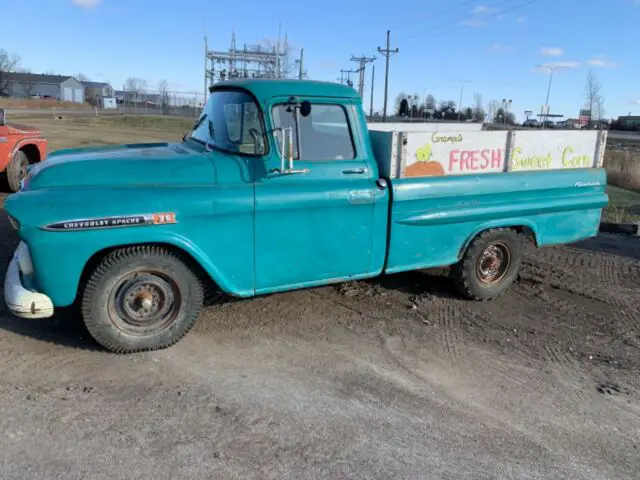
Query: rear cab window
x,y
325,134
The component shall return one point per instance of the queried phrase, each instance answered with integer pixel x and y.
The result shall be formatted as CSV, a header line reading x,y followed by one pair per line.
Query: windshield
x,y
231,122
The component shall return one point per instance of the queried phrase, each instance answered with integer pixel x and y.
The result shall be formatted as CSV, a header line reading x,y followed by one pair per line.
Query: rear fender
x,y
516,224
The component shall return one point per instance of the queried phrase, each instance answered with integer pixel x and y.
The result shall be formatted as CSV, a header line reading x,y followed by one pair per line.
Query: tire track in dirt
x,y
615,270
623,302
449,332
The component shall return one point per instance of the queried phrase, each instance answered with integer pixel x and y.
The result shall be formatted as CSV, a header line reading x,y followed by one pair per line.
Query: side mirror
x,y
2,118
305,108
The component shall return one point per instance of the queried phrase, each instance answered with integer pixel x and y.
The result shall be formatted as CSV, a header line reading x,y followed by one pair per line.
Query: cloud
x,y
523,19
470,22
556,65
480,9
327,65
499,48
86,3
601,61
551,52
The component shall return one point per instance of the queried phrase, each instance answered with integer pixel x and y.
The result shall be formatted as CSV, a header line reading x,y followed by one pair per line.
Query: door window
x,y
324,133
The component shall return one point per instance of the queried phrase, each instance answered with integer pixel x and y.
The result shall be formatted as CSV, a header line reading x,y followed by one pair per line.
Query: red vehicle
x,y
20,146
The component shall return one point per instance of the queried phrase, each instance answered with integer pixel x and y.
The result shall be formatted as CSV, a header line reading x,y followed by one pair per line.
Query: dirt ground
x,y
390,378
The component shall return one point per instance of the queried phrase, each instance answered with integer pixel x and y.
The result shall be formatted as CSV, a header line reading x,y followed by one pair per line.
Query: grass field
x,y
81,131
624,205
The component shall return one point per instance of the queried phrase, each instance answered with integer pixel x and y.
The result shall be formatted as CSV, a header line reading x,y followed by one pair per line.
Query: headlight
x,y
14,222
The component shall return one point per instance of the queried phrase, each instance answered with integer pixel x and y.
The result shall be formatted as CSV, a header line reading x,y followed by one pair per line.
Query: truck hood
x,y
122,165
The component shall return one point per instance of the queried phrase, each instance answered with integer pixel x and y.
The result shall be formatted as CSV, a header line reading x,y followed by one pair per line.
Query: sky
x,y
493,46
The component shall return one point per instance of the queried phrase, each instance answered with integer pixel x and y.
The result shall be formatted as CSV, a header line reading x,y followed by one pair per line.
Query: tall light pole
x,y
552,69
462,82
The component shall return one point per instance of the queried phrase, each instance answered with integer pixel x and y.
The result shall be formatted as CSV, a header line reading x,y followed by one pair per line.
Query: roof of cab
x,y
267,88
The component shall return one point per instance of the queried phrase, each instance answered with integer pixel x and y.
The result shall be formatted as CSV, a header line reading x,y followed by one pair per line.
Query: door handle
x,y
354,171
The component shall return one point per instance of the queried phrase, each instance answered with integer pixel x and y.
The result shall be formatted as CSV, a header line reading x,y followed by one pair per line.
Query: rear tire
x,y
490,265
141,298
17,170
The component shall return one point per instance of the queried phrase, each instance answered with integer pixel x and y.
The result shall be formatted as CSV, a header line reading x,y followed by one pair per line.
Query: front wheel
x,y
490,265
17,170
141,298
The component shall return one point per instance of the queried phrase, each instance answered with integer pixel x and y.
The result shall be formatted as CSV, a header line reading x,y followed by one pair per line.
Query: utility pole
x,y
462,82
362,61
206,86
301,71
373,76
346,80
387,52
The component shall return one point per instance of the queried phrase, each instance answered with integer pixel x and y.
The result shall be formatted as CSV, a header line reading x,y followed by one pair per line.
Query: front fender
x,y
59,258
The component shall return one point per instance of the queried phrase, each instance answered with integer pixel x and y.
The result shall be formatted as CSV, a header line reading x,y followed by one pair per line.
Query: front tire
x,y
141,298
490,265
17,170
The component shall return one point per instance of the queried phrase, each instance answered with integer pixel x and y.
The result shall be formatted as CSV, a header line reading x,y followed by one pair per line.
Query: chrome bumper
x,y
24,302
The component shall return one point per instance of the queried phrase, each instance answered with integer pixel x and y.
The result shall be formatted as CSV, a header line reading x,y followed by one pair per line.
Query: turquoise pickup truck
x,y
282,185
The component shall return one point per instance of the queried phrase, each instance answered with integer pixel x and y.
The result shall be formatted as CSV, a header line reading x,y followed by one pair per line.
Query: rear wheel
x,y
17,170
141,298
490,265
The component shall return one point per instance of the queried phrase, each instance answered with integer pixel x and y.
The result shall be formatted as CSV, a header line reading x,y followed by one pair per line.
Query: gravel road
x,y
391,378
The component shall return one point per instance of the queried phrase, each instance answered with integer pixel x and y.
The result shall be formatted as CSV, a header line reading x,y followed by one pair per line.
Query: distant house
x,y
94,92
59,87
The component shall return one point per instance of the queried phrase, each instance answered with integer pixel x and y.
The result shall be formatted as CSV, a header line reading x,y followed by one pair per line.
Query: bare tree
x,y
593,96
430,103
492,112
163,90
282,70
478,111
28,87
81,77
8,64
135,86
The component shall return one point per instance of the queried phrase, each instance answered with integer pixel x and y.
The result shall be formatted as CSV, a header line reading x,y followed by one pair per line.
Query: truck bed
x,y
433,218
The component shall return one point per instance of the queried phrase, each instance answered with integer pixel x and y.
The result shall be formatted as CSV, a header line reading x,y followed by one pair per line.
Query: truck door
x,y
317,226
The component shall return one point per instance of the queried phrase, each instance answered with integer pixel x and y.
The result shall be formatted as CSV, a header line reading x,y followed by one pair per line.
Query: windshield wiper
x,y
207,145
199,122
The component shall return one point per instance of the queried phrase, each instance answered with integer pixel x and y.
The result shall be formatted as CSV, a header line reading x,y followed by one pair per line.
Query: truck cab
x,y
280,185
326,213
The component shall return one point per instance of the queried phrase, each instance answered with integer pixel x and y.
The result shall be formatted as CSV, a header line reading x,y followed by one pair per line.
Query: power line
x,y
387,52
447,27
437,14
